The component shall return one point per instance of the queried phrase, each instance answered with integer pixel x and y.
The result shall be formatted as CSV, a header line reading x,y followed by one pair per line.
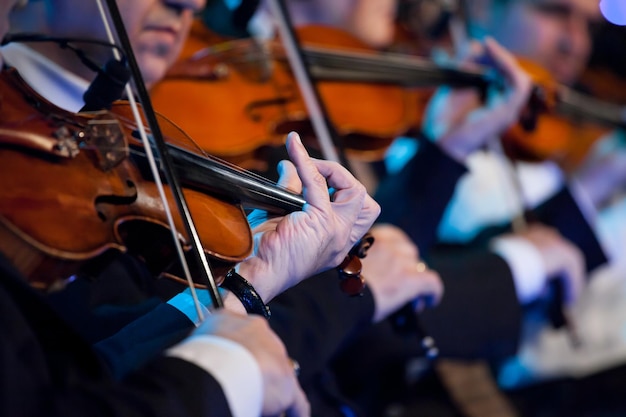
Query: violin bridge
x,y
105,137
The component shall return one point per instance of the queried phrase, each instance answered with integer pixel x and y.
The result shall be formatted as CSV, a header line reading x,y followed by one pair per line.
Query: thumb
x,y
288,177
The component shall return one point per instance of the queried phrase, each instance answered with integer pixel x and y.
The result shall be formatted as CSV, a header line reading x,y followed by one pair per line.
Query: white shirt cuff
x,y
526,266
184,303
232,365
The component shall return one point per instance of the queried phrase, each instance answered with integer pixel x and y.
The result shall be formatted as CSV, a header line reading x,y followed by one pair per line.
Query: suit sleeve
x,y
47,370
143,339
479,315
563,213
315,319
416,198
164,387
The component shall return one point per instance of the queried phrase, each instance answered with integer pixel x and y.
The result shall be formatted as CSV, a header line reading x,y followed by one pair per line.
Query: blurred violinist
x,y
492,322
555,34
295,247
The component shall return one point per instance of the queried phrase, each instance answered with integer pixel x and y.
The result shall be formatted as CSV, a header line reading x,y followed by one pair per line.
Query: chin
x,y
567,77
153,70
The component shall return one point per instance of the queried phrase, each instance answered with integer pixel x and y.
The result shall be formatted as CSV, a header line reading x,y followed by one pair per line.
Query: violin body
x,y
71,194
244,97
558,123
231,99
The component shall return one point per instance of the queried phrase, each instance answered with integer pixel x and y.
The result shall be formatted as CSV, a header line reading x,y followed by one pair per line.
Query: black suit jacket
x,y
47,370
479,315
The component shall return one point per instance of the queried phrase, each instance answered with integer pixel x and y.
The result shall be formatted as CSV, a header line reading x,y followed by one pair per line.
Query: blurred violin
x,y
249,92
75,188
558,124
561,124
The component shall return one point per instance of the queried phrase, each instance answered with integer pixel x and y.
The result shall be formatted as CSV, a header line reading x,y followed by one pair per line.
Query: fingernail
x,y
296,137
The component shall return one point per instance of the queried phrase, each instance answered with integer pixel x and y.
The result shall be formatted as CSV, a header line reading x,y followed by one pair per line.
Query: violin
x,y
558,123
259,100
563,129
370,97
75,190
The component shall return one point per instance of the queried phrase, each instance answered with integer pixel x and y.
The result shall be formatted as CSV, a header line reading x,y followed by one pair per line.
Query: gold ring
x,y
296,366
421,266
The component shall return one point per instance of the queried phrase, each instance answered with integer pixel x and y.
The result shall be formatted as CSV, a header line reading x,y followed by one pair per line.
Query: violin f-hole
x,y
115,200
253,109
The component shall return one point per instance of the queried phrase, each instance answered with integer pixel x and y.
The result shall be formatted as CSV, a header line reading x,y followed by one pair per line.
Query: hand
x,y
391,272
281,390
461,123
561,259
301,244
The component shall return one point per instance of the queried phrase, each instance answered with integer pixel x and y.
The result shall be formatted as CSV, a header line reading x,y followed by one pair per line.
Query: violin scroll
x,y
351,281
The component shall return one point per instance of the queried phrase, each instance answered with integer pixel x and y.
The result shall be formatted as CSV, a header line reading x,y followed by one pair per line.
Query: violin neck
x,y
387,68
211,175
581,106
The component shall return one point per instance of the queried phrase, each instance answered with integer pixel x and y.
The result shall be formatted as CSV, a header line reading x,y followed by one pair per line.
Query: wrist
x,y
232,303
260,276
246,293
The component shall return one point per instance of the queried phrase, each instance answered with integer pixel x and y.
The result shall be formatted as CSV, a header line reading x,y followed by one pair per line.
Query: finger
x,y
337,176
300,406
431,286
288,177
507,63
504,60
351,203
470,54
348,188
314,186
349,193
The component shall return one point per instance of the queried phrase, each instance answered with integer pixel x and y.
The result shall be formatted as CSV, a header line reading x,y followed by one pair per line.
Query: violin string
x,y
226,164
313,105
155,171
571,102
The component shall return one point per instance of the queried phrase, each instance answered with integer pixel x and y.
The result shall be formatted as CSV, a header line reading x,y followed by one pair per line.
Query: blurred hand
x,y
561,258
391,272
457,119
301,244
281,390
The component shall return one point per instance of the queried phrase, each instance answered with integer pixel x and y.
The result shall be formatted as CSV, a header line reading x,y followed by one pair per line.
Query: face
x,y
157,28
552,33
372,21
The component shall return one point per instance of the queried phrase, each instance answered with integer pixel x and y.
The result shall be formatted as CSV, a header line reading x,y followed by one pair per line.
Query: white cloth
x,y
51,81
527,268
600,319
486,195
233,366
480,200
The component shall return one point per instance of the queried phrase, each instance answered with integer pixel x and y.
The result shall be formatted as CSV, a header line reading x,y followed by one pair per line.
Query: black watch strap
x,y
245,292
